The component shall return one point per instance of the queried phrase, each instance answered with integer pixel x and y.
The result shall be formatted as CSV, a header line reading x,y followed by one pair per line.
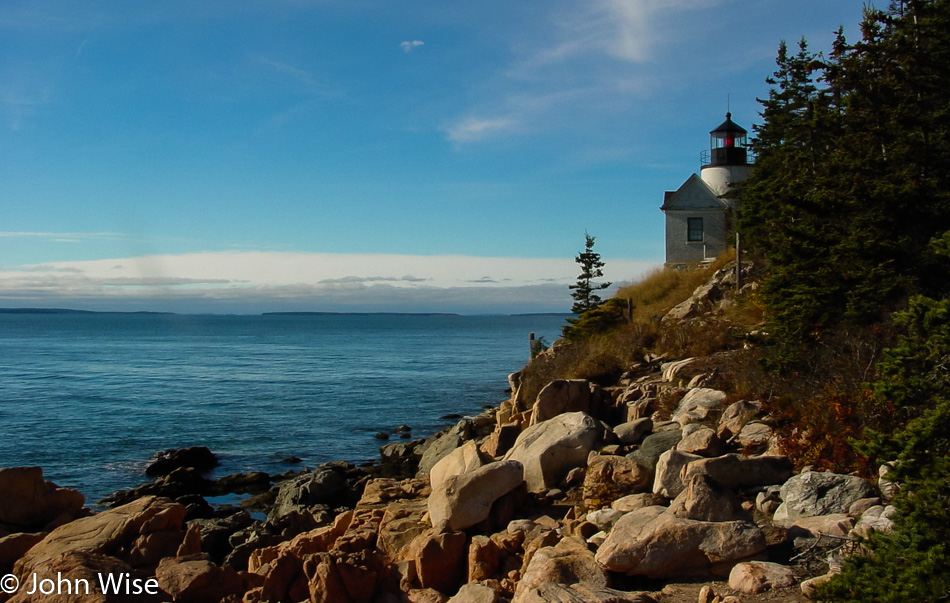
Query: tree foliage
x,y
912,563
847,208
585,290
851,178
587,304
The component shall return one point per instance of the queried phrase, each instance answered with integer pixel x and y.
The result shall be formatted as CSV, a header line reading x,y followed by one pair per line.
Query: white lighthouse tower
x,y
698,213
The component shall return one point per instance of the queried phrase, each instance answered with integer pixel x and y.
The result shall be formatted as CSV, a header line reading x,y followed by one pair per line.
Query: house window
x,y
694,229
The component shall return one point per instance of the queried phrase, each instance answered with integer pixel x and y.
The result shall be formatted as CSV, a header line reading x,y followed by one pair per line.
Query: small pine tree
x,y
584,291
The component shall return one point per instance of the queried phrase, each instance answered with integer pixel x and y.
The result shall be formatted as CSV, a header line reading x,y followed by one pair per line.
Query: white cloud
x,y
473,128
409,46
261,281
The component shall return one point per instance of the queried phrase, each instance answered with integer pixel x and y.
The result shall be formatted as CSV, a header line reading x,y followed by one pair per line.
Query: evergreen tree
x,y
912,562
584,291
851,178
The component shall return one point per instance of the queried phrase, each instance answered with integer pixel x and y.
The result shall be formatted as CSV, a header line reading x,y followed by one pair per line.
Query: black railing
x,y
727,156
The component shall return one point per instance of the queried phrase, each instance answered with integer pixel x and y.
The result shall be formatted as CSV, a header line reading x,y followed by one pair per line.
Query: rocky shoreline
x,y
656,488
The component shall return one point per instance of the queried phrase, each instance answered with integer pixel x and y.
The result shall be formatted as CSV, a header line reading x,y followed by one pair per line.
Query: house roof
x,y
694,194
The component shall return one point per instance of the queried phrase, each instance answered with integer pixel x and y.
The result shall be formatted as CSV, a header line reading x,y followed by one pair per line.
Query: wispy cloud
x,y
471,129
584,58
297,74
371,279
409,46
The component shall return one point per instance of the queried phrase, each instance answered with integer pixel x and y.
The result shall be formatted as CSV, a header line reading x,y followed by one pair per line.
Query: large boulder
x,y
29,502
461,460
567,562
439,559
812,493
668,481
550,449
138,534
697,405
736,471
323,486
567,395
704,499
464,500
655,543
194,579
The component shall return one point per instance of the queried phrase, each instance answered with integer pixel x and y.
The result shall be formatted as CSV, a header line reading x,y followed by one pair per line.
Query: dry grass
x,y
603,357
659,291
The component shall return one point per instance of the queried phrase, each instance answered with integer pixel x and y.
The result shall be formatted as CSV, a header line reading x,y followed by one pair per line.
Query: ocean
x,y
90,397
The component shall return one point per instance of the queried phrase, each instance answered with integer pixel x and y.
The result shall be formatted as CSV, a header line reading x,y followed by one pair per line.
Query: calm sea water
x,y
90,397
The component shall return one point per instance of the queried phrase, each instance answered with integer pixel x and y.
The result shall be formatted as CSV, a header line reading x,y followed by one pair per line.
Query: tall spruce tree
x,y
584,291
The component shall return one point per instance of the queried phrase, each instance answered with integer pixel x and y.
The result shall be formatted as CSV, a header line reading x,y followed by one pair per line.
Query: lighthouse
x,y
699,212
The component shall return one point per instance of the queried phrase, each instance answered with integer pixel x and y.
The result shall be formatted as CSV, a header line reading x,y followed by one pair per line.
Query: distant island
x,y
69,311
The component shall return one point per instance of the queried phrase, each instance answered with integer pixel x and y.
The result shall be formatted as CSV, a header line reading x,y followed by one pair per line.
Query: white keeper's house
x,y
699,213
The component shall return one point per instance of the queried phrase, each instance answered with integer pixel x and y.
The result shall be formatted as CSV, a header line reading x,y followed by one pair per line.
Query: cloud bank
x,y
250,282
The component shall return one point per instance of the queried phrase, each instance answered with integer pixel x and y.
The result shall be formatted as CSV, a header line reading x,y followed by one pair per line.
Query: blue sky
x,y
243,156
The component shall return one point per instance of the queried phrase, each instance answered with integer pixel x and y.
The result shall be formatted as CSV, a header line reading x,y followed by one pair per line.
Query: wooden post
x,y
738,264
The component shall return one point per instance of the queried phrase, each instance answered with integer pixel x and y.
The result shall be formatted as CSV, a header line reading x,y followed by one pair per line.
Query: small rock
x,y
698,404
475,593
754,435
754,577
858,508
735,417
199,458
633,432
604,518
702,441
637,501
